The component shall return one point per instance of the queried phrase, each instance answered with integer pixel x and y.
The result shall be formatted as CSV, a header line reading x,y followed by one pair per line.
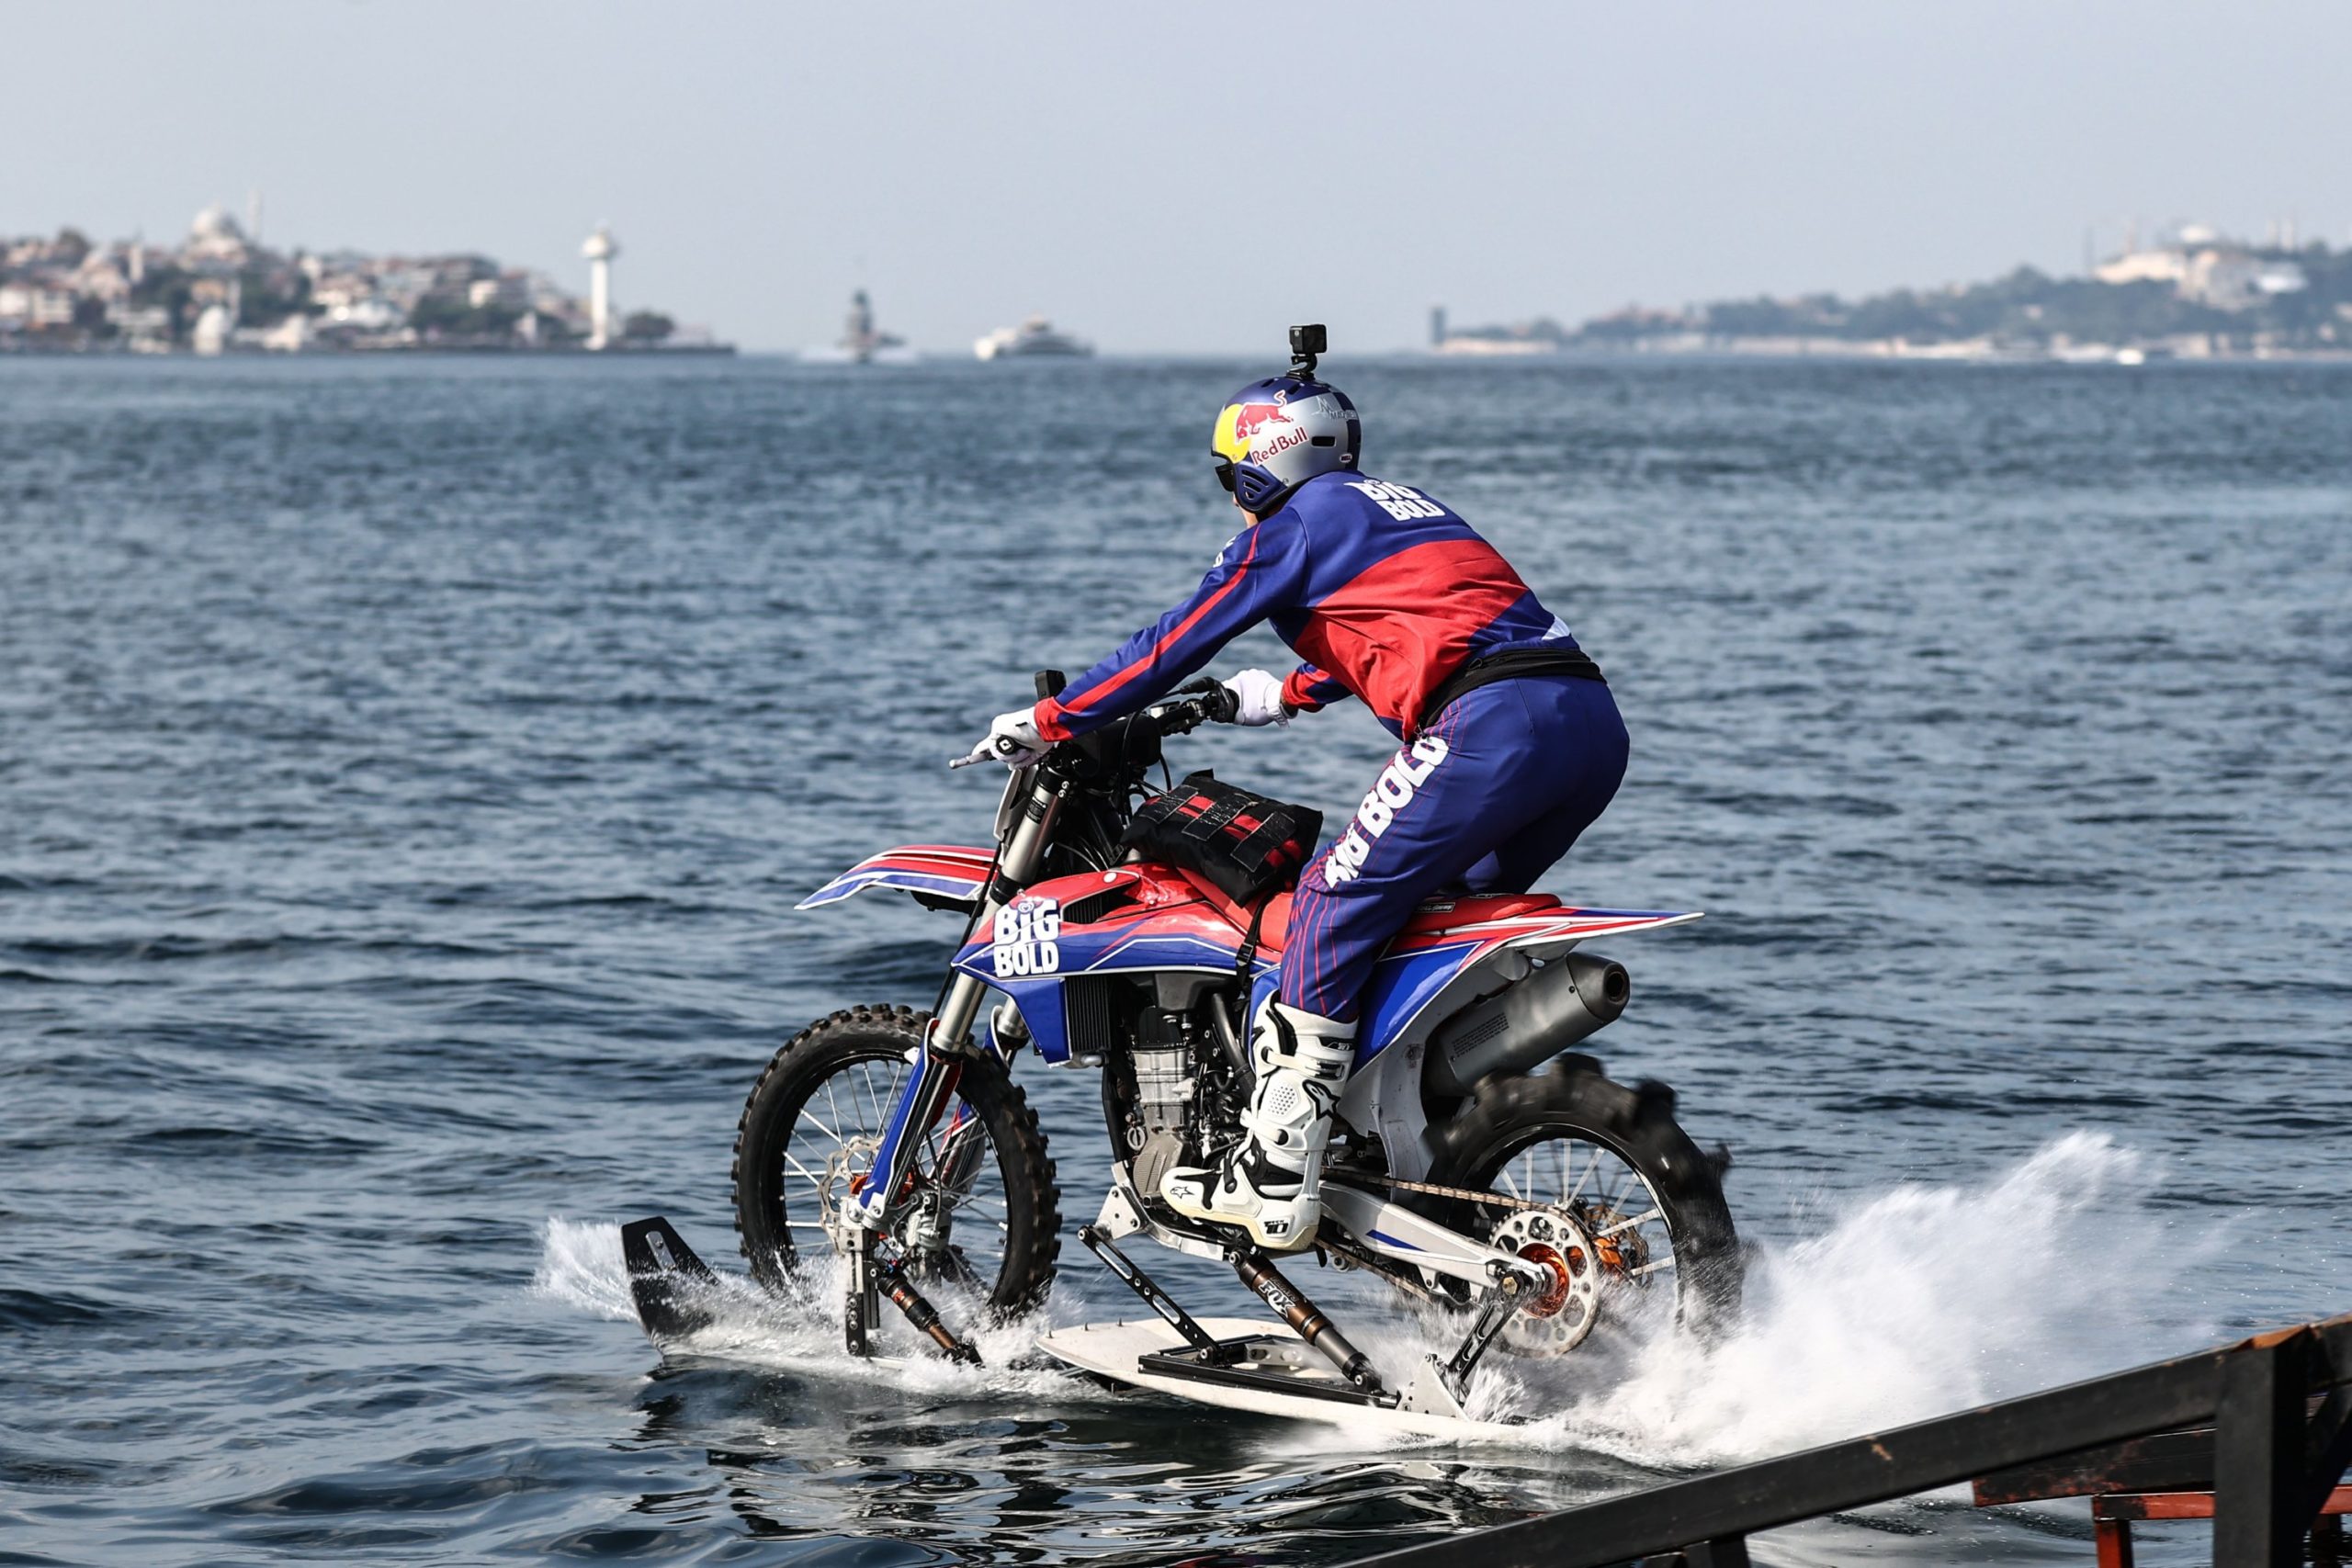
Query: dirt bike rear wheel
x,y
1612,1158
811,1123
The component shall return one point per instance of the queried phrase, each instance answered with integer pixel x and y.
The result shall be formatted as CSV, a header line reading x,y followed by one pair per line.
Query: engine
x,y
1179,1088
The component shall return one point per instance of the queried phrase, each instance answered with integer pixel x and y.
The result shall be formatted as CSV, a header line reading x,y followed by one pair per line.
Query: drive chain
x,y
1464,1194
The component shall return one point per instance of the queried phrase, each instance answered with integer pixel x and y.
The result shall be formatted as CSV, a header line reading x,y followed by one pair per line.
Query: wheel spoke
x,y
866,1076
1629,1224
1589,1166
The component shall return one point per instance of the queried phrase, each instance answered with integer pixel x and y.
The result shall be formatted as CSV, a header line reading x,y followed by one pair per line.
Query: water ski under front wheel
x,y
977,1227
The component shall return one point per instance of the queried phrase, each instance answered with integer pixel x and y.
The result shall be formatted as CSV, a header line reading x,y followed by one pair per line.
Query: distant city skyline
x,y
1160,184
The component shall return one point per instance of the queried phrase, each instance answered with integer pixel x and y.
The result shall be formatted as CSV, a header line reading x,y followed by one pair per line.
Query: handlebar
x,y
1204,701
1199,702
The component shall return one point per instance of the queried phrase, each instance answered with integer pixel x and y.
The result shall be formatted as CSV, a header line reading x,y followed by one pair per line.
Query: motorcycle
x,y
1477,1165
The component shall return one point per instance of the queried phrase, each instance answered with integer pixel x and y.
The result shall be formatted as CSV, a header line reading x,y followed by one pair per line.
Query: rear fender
x,y
1427,976
949,874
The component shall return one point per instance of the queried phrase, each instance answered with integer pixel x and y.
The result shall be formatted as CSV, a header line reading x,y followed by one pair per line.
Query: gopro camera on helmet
x,y
1306,342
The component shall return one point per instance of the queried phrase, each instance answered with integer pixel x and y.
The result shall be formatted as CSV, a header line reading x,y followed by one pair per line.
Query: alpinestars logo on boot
x,y
1391,792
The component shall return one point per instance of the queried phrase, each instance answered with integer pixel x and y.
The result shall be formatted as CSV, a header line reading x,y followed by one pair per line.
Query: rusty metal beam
x,y
2258,1520
1841,1476
2188,1504
2328,1448
2254,1393
2164,1461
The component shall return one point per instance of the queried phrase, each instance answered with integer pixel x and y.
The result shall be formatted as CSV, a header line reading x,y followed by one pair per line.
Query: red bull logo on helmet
x,y
1251,418
1243,430
1252,432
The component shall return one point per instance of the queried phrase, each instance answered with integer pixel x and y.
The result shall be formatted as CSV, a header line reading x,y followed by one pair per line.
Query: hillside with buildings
x,y
2195,294
222,290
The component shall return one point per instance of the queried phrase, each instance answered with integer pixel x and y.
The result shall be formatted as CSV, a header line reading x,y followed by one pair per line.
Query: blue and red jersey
x,y
1382,591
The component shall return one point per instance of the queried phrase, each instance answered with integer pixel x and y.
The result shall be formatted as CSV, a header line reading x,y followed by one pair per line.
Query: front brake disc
x,y
842,1168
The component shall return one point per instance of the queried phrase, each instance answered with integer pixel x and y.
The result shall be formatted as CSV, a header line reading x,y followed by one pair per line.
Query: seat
x,y
1445,912
1440,913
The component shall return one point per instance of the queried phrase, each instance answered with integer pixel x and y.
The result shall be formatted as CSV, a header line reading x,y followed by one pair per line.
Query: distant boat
x,y
1032,339
863,343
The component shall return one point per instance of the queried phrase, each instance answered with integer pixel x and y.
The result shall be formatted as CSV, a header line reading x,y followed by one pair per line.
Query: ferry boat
x,y
1032,339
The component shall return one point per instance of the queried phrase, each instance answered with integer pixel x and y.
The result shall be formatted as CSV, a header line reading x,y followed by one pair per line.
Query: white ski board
x,y
1111,1351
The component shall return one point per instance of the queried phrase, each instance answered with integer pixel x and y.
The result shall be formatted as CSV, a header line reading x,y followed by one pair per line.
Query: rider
x,y
1513,743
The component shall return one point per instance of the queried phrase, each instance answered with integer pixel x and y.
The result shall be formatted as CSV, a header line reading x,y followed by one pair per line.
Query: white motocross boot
x,y
1271,1185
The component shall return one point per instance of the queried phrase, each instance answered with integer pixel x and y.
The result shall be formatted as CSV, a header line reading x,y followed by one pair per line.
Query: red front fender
x,y
955,872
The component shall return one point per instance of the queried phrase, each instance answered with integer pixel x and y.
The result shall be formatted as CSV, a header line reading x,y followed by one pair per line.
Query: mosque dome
x,y
214,223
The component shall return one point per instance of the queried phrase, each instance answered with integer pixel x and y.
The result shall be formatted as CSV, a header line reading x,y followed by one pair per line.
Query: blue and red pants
x,y
1484,800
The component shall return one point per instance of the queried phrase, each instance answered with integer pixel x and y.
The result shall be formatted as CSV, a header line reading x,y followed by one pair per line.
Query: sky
x,y
1185,178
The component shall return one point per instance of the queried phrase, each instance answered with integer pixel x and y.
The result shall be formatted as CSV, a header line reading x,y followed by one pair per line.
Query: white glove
x,y
1260,695
1012,739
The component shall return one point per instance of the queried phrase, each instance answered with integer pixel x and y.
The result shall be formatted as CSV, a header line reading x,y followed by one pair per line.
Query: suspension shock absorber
x,y
1307,1319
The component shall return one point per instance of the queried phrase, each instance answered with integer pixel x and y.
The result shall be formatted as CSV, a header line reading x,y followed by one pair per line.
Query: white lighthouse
x,y
600,250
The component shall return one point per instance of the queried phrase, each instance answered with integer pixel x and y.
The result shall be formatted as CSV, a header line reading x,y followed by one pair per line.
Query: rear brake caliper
x,y
1620,1246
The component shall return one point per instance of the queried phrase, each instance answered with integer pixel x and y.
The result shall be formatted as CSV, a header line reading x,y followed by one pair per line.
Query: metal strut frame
x,y
1144,1286
1494,1316
1240,1361
873,1280
864,1304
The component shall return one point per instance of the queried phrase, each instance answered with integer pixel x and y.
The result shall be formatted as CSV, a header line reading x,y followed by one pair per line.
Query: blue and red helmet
x,y
1275,434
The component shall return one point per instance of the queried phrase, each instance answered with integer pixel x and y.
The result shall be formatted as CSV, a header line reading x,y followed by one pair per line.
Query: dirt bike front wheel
x,y
980,1228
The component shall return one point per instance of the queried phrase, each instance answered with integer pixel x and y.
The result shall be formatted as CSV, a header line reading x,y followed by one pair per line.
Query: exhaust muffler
x,y
1527,1023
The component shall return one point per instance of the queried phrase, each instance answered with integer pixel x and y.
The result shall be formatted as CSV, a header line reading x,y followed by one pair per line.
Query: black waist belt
x,y
1508,666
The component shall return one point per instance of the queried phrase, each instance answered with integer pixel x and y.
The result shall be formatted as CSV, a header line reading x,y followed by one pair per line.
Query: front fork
x,y
931,1088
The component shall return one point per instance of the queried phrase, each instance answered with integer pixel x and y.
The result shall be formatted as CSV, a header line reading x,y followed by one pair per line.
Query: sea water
x,y
408,768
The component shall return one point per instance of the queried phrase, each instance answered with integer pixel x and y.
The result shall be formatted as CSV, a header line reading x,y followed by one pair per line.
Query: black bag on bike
x,y
1244,844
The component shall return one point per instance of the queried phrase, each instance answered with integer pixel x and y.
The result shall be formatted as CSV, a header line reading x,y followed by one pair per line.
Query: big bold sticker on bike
x,y
1028,937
